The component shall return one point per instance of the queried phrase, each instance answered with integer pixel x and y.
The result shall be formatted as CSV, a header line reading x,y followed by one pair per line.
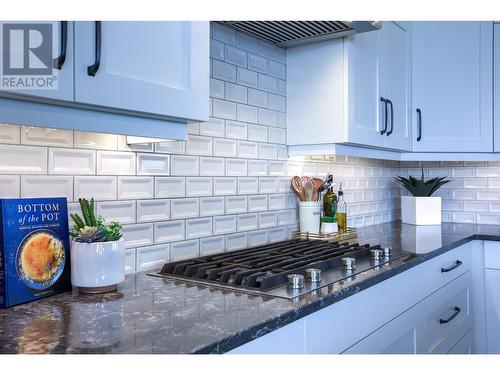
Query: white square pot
x,y
421,210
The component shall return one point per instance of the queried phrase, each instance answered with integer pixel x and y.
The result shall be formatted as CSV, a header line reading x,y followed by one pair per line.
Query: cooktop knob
x,y
313,275
349,263
295,281
377,253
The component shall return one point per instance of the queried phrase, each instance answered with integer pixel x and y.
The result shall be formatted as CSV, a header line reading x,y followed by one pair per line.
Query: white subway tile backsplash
x,y
217,88
268,219
224,109
170,187
153,210
286,217
135,187
268,117
216,50
247,222
268,151
257,203
277,102
236,130
10,134
246,113
10,186
170,147
488,195
23,160
257,98
136,235
185,165
277,168
257,63
224,224
96,141
224,147
257,237
198,186
247,149
268,185
277,201
235,205
184,208
257,133
36,136
46,186
246,77
224,34
71,161
267,50
267,83
476,206
277,234
169,231
122,211
123,145
246,42
236,167
153,164
115,163
223,71
130,261
276,69
257,168
248,185
212,245
224,185
196,228
152,257
197,145
236,241
486,218
236,93
211,206
100,188
212,166
213,128
277,135
184,250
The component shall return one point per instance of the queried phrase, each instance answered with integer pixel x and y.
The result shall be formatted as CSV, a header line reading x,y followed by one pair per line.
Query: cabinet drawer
x,y
446,316
465,345
492,254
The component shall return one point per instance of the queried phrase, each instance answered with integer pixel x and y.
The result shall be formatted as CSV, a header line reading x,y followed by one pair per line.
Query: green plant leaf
x,y
421,187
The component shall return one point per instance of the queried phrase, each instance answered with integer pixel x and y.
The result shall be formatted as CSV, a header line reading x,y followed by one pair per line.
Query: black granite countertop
x,y
154,315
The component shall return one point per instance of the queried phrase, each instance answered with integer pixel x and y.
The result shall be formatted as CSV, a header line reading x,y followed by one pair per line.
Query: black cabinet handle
x,y
58,62
382,132
92,69
457,264
392,117
457,311
419,119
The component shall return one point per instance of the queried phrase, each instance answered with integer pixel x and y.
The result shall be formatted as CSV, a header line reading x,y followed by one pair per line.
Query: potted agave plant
x,y
420,208
97,251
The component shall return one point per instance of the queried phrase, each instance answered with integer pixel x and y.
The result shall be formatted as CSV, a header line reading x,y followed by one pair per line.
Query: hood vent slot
x,y
293,33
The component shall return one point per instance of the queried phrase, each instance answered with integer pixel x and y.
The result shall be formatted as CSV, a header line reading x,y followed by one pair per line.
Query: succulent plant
x,y
91,228
421,187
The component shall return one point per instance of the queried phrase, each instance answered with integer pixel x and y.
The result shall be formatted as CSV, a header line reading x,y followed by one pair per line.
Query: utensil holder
x,y
309,216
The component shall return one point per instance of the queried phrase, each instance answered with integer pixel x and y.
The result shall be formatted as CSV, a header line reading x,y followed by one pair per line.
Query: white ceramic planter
x,y
329,228
421,210
97,267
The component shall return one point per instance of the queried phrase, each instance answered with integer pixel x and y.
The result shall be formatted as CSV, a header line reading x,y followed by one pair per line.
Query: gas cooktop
x,y
286,269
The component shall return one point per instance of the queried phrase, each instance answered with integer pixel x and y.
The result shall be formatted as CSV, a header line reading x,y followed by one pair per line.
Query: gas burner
x,y
284,269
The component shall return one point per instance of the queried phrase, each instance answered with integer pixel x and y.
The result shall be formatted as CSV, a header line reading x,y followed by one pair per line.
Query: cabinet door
x,y
492,283
153,67
365,115
452,86
394,83
63,82
496,88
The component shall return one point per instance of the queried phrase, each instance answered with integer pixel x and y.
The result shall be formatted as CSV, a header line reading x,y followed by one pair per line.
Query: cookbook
x,y
34,249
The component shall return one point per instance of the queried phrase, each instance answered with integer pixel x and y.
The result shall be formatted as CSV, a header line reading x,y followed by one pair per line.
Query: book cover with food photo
x,y
34,249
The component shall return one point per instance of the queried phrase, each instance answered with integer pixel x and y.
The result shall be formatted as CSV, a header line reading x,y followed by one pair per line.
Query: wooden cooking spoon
x,y
299,188
317,182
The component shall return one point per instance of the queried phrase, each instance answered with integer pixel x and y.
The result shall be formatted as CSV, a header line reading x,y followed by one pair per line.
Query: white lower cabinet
x,y
492,281
465,345
399,315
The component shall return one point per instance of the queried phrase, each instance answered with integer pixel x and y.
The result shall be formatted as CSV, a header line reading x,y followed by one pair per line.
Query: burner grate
x,y
266,267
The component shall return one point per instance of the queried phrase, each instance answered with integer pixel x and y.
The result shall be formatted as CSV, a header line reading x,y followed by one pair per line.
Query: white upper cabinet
x,y
152,67
353,90
61,86
496,83
452,86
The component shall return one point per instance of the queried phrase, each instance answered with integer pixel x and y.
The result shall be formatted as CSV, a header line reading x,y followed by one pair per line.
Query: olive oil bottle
x,y
341,211
330,203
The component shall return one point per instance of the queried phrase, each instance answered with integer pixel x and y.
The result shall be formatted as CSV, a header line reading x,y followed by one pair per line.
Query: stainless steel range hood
x,y
294,33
